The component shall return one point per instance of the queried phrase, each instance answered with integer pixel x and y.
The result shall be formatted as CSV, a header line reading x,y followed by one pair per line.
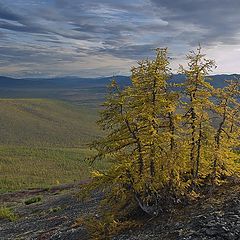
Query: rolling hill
x,y
43,142
44,122
82,91
46,125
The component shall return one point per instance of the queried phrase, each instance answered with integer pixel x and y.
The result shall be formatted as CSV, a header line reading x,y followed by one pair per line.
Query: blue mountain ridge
x,y
68,82
83,91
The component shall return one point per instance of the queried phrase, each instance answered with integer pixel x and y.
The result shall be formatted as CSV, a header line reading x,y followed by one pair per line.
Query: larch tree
x,y
197,92
226,137
141,123
164,140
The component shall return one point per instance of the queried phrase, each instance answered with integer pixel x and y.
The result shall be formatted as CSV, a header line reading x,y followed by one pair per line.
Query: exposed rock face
x,y
215,218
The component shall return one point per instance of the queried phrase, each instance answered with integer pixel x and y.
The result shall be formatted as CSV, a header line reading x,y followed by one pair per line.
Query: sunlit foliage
x,y
166,140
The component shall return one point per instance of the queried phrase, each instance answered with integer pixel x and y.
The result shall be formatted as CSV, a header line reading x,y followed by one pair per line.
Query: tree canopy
x,y
166,140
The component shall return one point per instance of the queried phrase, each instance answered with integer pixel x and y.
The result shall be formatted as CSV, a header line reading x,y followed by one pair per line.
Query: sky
x,y
93,38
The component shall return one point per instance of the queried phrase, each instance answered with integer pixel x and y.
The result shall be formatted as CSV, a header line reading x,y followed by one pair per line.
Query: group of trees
x,y
166,140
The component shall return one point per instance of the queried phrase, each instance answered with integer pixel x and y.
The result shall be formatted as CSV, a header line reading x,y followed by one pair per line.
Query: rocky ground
x,y
212,217
51,218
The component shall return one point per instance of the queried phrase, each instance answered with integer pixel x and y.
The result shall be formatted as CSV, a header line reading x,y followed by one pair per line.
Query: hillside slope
x,y
40,122
215,217
44,142
83,91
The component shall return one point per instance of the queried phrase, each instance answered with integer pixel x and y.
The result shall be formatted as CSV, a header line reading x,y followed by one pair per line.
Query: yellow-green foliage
x,y
107,226
166,140
6,213
227,132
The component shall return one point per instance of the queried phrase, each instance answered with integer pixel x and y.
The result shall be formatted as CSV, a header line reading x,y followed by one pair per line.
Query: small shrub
x,y
6,213
105,227
56,209
33,200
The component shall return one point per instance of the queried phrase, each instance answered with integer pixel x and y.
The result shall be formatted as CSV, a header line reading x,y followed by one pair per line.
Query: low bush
x,y
7,213
33,200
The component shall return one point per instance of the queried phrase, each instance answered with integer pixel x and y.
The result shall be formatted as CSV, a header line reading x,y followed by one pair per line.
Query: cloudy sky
x,y
107,37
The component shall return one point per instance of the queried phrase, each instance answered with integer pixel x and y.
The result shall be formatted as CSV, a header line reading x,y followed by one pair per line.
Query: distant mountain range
x,y
67,82
60,82
75,89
